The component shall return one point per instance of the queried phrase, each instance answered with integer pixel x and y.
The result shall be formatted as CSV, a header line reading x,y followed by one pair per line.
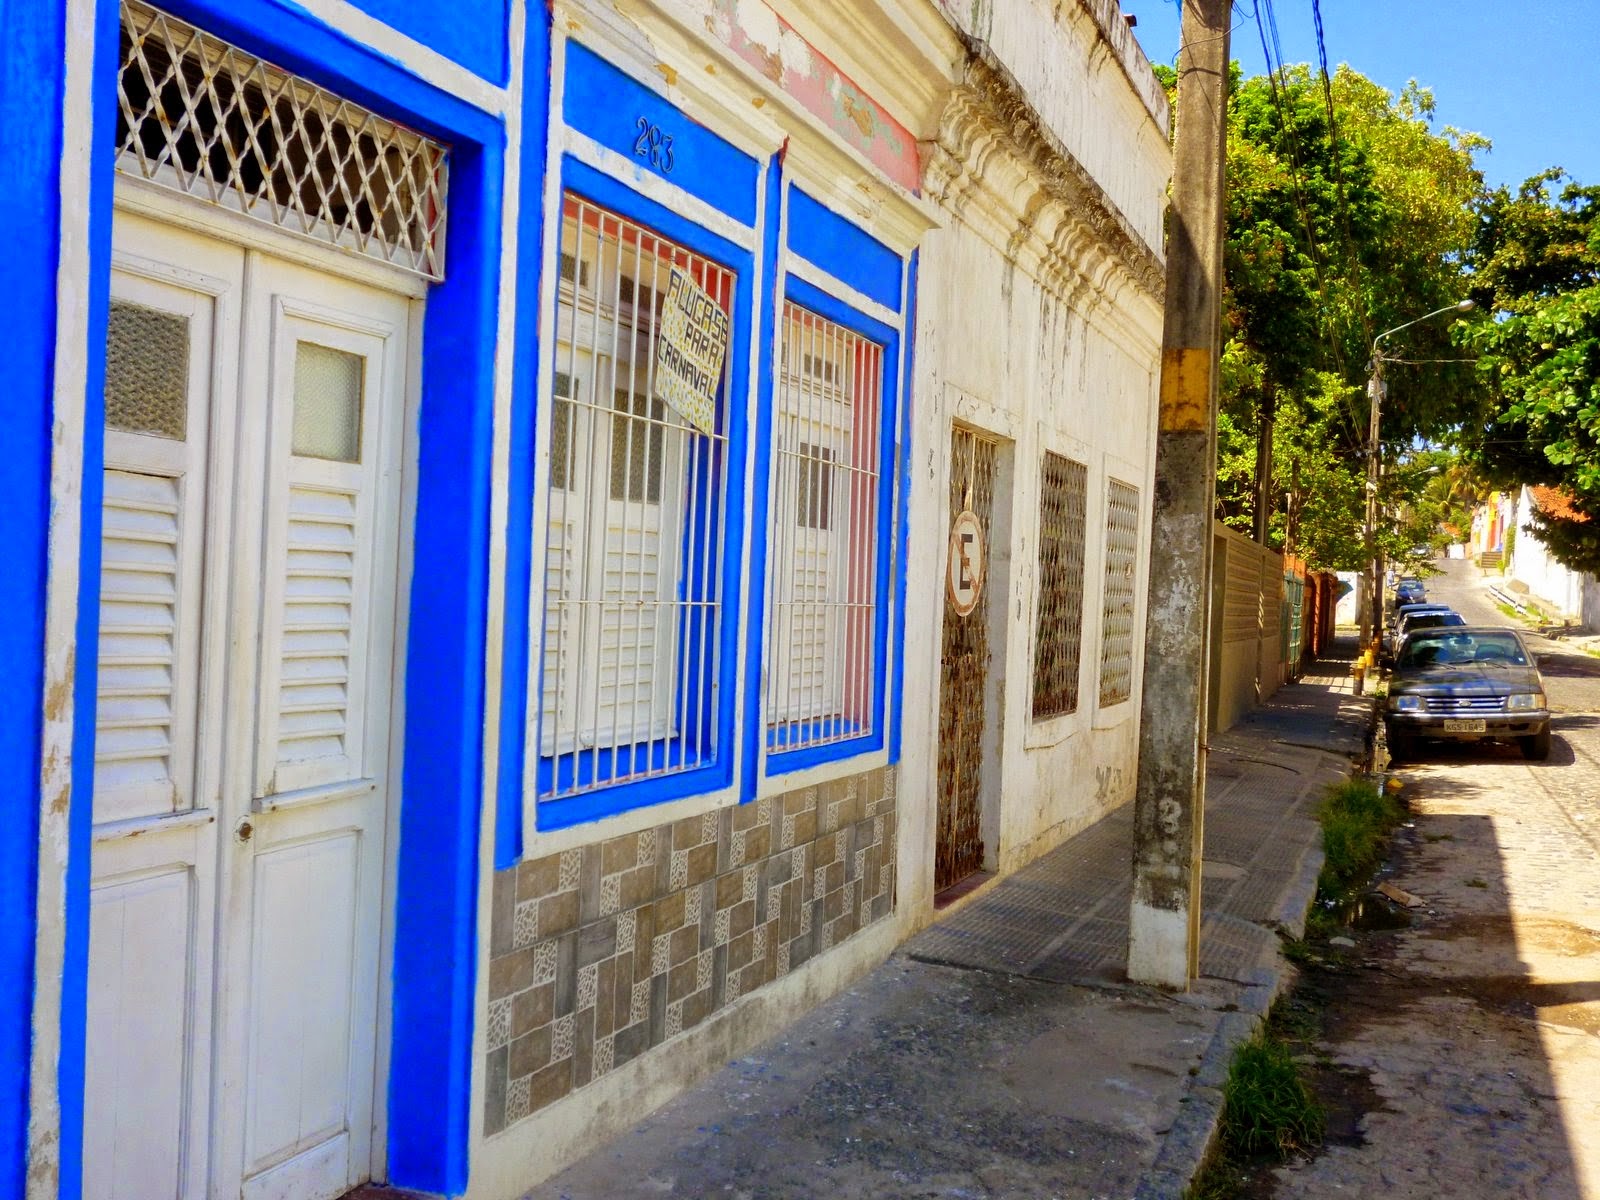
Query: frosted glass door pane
x,y
327,403
147,371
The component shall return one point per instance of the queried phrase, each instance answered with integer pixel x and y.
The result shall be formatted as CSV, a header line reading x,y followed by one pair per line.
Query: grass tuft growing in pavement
x,y
1357,819
1268,1112
1266,1107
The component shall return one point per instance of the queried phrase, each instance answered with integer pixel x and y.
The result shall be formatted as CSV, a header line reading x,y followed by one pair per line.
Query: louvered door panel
x,y
152,532
562,615
321,559
138,762
319,612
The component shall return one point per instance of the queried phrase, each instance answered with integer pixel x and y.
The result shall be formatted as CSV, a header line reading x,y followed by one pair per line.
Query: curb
x,y
1193,1133
1189,1139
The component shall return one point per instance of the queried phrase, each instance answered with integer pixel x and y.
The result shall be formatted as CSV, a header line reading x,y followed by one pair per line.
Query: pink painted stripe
x,y
822,88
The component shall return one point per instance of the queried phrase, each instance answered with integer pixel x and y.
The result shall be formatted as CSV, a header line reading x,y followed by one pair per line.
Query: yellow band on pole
x,y
1185,389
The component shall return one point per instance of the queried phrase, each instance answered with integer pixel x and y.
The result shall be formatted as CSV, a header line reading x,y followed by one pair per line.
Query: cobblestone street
x,y
1470,1042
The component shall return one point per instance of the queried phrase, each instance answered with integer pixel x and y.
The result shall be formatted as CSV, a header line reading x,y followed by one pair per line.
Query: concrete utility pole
x,y
1164,923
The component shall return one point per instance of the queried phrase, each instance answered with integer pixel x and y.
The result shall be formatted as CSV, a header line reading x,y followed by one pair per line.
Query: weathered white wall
x,y
1081,69
1531,563
1039,331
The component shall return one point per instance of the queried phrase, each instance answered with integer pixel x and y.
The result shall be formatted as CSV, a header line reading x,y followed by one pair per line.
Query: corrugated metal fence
x,y
1269,616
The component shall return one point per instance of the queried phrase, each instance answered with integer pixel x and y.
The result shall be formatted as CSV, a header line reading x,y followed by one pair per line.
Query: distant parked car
x,y
1390,641
1425,618
1466,683
1409,591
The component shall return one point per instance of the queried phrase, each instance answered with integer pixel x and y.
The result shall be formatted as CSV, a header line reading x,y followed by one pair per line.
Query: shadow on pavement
x,y
1441,1044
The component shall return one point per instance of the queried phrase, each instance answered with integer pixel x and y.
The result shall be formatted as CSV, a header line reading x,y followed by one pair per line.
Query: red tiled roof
x,y
1554,502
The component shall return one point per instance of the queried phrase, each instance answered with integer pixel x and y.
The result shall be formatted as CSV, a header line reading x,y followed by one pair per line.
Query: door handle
x,y
244,830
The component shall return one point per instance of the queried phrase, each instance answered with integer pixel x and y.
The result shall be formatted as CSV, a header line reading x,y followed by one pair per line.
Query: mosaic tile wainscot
x,y
601,952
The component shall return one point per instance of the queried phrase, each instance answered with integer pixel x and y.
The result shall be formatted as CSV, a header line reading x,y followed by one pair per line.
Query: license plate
x,y
1464,726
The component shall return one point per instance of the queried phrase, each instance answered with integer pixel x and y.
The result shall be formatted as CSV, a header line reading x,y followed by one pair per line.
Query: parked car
x,y
1466,683
1391,636
1409,590
1425,618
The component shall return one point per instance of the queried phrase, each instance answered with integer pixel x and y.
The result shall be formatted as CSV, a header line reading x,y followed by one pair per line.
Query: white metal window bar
x,y
823,545
631,615
1058,633
206,119
1121,562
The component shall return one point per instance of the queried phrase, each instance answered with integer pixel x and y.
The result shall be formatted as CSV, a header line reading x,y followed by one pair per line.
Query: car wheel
x,y
1536,746
1401,747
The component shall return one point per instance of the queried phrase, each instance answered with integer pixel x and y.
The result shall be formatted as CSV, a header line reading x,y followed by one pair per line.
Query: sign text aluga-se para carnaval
x,y
690,351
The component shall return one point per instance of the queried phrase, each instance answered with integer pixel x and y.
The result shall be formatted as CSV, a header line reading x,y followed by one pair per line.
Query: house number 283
x,y
654,145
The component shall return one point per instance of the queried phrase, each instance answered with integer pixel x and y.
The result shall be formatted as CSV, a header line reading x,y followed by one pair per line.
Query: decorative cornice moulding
x,y
995,164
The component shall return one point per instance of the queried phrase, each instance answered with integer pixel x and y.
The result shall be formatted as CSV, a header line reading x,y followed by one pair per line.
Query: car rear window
x,y
1430,620
1442,647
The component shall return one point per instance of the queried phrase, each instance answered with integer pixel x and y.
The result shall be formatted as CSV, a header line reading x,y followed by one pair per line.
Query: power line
x,y
1265,15
1338,166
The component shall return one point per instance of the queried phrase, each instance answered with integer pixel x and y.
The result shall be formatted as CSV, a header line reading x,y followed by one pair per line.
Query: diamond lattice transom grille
x,y
203,118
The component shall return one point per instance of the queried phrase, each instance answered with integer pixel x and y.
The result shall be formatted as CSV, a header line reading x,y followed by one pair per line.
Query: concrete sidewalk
x,y
1000,1053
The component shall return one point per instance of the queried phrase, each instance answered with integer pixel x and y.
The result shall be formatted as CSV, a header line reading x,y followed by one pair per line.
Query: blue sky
x,y
1521,74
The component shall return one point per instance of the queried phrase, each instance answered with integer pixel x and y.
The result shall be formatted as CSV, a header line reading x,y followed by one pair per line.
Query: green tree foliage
x,y
1537,268
1336,230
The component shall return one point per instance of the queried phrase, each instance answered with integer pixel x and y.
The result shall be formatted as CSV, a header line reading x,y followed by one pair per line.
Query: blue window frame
x,y
830,534
635,683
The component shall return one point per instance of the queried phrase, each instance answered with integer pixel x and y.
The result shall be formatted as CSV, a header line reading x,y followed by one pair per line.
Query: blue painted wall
x,y
30,146
470,32
607,104
846,251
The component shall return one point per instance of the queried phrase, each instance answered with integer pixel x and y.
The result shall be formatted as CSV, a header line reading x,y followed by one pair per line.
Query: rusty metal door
x,y
963,677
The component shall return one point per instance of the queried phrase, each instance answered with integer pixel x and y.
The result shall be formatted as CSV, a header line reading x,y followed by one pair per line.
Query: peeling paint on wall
x,y
767,42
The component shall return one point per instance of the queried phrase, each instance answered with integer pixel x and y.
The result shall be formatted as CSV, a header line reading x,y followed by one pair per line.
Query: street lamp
x,y
1374,621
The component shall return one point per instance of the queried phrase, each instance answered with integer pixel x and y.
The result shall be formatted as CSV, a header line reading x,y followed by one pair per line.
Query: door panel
x,y
331,380
158,377
301,990
141,937
302,876
171,359
964,677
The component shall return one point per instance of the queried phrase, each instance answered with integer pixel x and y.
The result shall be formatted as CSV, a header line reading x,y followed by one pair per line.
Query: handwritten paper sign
x,y
690,351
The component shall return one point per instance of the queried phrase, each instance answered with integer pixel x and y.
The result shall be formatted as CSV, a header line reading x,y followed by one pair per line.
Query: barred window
x,y
631,614
1116,624
1058,633
823,546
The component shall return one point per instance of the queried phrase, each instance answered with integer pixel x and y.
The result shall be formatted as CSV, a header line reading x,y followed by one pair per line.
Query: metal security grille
x,y
963,678
820,678
632,622
206,119
1116,624
1058,633
1294,592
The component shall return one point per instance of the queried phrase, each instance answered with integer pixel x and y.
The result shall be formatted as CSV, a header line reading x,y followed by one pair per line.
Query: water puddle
x,y
1370,912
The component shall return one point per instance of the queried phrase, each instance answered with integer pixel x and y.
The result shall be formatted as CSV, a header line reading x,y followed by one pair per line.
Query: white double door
x,y
254,411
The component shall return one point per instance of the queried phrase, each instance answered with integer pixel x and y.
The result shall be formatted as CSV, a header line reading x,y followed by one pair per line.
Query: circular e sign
x,y
965,573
